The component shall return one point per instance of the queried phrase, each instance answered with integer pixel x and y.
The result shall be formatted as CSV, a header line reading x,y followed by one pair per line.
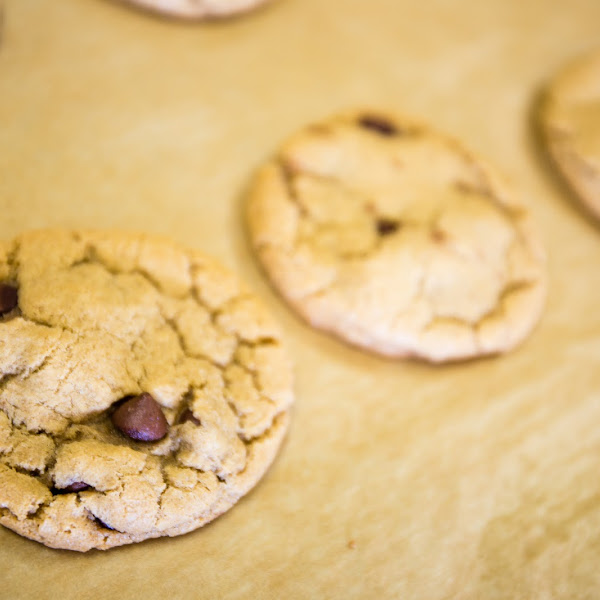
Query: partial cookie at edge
x,y
569,116
198,9
395,239
102,317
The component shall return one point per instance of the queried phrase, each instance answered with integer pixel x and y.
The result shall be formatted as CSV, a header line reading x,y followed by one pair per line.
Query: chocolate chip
x,y
76,486
188,415
140,418
9,298
379,125
387,226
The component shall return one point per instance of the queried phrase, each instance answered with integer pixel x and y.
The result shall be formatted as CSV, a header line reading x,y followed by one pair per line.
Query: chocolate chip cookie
x,y
143,391
197,9
394,238
570,120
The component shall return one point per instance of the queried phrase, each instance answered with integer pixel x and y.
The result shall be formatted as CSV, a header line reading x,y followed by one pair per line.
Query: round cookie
x,y
197,9
395,239
142,390
570,121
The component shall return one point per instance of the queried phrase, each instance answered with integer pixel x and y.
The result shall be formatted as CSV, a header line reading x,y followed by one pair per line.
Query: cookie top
x,y
143,391
570,120
394,238
198,9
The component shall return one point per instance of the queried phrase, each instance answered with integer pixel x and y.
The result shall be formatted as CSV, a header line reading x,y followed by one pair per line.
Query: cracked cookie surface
x,y
395,239
198,9
570,120
104,331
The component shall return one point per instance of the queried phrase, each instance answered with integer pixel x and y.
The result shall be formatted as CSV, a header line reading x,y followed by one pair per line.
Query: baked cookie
x,y
395,239
198,9
570,120
142,390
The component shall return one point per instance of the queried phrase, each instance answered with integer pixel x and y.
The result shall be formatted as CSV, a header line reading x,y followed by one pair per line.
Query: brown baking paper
x,y
397,480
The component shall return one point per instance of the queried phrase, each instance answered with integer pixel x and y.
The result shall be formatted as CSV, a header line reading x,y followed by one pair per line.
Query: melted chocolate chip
x,y
387,226
141,418
9,297
378,125
188,415
76,486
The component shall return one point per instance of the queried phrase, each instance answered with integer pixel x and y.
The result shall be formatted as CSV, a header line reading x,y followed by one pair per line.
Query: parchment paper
x,y
479,480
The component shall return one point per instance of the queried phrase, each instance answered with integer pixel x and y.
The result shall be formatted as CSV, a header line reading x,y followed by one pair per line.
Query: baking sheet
x,y
398,479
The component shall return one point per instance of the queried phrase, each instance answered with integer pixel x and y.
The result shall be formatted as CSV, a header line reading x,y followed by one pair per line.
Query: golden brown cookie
x,y
570,120
197,9
394,238
143,391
